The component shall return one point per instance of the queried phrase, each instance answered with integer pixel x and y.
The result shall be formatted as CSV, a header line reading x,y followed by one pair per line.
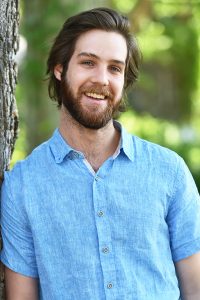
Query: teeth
x,y
96,96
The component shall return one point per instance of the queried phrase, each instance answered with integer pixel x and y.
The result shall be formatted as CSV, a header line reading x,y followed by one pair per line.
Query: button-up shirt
x,y
114,234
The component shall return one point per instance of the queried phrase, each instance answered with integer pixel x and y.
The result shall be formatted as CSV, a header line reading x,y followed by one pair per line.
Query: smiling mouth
x,y
96,96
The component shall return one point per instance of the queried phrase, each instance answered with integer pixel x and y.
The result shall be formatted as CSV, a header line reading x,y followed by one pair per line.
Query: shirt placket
x,y
106,251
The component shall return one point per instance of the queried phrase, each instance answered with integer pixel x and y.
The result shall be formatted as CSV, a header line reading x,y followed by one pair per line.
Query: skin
x,y
188,273
104,67
19,287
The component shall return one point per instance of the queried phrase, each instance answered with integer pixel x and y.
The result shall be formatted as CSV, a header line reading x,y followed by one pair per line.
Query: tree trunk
x,y
9,20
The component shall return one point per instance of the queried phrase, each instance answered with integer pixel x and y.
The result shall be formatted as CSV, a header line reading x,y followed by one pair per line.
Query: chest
x,y
123,202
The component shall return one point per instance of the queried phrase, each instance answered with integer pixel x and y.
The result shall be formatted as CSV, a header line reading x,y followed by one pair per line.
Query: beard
x,y
93,117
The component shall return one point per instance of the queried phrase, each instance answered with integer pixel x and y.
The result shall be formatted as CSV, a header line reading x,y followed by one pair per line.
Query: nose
x,y
100,76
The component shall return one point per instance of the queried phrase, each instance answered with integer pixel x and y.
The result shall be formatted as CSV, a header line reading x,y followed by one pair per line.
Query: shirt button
x,y
100,213
105,250
109,285
97,178
75,155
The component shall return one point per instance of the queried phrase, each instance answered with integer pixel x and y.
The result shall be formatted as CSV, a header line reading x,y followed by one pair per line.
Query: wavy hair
x,y
63,47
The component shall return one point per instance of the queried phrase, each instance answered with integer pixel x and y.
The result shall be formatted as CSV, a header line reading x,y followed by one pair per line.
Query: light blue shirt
x,y
114,234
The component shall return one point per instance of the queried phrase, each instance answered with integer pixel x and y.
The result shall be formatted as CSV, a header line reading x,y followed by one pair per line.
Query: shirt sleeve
x,y
18,248
184,215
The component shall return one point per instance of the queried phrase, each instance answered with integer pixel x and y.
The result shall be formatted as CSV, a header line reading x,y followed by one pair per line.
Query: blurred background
x,y
164,105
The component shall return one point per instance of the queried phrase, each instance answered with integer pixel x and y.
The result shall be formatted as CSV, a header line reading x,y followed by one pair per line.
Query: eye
x,y
115,69
88,63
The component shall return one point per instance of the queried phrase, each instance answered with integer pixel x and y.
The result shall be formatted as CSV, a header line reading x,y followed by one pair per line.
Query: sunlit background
x,y
163,107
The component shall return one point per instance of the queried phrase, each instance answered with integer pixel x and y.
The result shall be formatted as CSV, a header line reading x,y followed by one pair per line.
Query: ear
x,y
58,71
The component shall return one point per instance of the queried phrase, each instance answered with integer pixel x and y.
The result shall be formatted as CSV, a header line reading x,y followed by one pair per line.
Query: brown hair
x,y
64,44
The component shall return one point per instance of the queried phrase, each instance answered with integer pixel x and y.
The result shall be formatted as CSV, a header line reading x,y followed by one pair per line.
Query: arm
x,y
18,247
188,272
19,287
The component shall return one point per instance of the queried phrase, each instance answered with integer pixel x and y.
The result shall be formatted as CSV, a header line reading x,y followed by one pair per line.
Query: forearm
x,y
188,273
192,296
190,287
19,287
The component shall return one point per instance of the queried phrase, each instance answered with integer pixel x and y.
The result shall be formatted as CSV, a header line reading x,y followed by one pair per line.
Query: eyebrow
x,y
88,54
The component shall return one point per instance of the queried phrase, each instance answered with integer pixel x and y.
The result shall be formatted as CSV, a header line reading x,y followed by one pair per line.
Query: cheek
x,y
76,79
73,81
118,86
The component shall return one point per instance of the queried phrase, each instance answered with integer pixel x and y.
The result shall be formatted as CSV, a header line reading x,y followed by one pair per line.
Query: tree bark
x,y
9,20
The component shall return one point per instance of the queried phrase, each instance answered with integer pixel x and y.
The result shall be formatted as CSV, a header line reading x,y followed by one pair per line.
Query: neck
x,y
96,144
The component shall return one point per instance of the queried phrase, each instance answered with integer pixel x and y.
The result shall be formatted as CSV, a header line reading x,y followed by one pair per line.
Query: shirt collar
x,y
126,141
60,149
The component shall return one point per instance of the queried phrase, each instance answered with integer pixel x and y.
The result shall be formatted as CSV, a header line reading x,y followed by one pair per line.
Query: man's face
x,y
93,85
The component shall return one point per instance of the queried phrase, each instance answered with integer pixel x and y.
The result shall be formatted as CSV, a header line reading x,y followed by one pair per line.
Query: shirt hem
x,y
186,250
19,270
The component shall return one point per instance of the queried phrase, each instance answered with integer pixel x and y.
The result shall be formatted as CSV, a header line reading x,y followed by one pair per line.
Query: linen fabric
x,y
114,234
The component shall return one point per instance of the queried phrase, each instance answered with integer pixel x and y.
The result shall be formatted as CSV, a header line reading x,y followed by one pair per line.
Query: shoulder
x,y
167,165
31,165
163,164
155,153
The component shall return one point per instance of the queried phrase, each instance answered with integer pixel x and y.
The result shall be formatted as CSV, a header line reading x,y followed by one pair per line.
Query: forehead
x,y
104,44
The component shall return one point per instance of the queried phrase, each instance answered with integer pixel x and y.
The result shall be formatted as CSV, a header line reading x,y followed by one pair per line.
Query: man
x,y
95,213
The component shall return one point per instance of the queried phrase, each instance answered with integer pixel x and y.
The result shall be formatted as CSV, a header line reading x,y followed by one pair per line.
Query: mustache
x,y
98,89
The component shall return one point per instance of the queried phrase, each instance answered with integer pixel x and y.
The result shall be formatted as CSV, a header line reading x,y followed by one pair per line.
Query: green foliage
x,y
171,42
20,148
153,41
124,6
184,50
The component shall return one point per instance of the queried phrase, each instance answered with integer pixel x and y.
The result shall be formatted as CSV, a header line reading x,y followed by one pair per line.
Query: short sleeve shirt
x,y
114,234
